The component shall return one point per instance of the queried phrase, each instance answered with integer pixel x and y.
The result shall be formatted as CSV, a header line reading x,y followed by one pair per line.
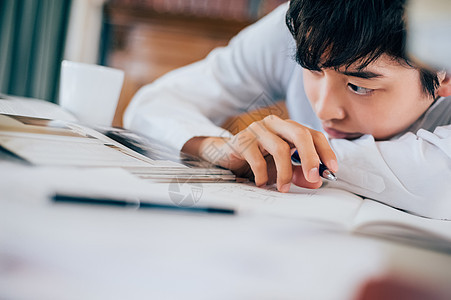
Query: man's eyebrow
x,y
362,74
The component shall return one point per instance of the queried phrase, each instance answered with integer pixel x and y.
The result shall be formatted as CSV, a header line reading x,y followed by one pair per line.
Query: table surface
x,y
66,251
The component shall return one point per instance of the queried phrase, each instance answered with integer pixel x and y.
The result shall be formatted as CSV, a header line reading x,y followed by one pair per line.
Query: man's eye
x,y
360,90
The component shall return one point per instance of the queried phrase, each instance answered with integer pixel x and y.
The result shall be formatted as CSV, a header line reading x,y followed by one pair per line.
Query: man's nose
x,y
329,105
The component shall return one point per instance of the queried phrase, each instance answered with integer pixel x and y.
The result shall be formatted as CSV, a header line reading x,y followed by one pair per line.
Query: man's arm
x,y
412,173
184,108
195,100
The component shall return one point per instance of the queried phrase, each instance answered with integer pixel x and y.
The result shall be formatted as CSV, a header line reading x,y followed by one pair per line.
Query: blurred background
x,y
145,38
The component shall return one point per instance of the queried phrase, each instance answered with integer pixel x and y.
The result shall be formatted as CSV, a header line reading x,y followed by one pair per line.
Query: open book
x,y
42,133
337,209
62,142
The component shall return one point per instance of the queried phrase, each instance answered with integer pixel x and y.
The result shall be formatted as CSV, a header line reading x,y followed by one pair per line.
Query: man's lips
x,y
337,134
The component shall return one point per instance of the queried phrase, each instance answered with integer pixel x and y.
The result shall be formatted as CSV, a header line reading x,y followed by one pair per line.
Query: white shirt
x,y
257,68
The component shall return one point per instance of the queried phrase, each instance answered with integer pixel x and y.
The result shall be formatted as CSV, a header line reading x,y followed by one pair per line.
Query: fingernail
x,y
285,188
333,165
313,175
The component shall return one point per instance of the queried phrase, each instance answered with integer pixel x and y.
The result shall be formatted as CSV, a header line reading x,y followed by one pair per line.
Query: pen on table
x,y
323,170
139,204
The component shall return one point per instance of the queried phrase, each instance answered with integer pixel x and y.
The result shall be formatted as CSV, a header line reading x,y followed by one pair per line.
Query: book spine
x,y
253,9
158,5
242,10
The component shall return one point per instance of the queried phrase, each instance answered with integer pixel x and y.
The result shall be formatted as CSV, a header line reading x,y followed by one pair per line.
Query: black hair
x,y
339,33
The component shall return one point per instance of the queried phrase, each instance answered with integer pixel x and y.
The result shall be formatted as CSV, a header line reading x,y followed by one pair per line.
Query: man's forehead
x,y
379,68
367,67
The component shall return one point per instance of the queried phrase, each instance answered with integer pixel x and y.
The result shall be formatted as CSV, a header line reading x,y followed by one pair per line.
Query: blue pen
x,y
323,170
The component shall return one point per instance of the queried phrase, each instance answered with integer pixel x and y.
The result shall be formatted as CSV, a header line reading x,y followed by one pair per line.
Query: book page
x,y
375,218
51,150
325,205
29,107
59,143
46,142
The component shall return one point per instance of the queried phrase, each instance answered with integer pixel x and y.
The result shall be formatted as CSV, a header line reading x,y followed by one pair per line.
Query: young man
x,y
354,98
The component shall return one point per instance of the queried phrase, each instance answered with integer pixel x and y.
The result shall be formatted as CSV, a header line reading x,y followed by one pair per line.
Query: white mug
x,y
90,92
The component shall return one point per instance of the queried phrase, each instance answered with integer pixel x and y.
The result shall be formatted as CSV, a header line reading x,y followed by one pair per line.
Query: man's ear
x,y
444,89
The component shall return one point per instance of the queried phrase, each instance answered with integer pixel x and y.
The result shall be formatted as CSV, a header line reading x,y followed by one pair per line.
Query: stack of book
x,y
41,133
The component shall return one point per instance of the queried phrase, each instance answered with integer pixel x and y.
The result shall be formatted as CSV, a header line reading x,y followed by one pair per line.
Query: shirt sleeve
x,y
194,100
412,173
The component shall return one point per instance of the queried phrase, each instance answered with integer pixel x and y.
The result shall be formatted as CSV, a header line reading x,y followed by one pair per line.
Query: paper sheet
x,y
33,108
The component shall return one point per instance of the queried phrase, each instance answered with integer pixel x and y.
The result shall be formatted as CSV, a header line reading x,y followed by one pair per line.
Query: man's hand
x,y
265,148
